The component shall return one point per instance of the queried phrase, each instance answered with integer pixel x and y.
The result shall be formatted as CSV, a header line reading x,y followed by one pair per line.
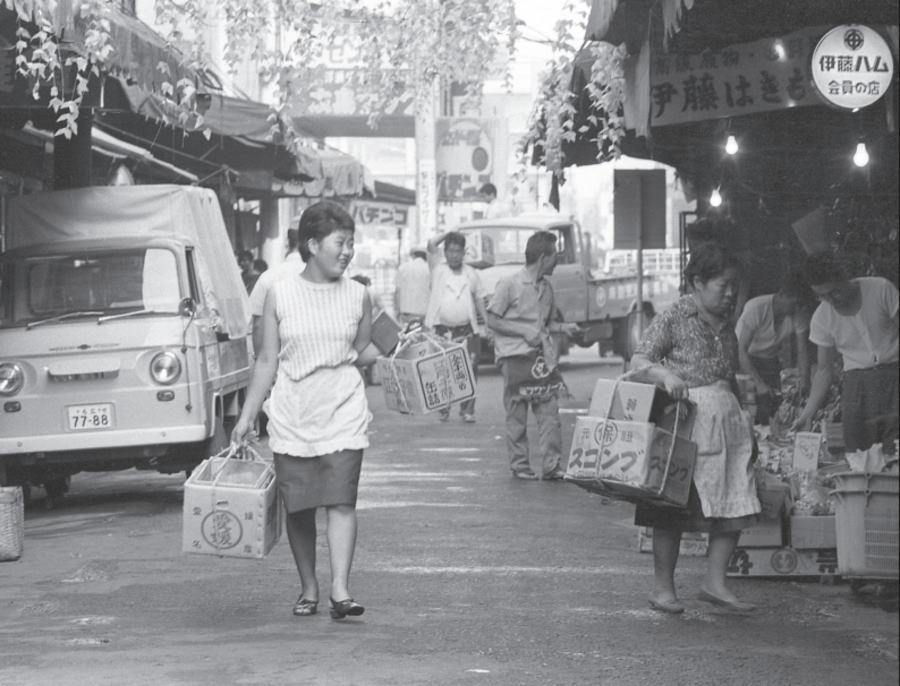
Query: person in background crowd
x,y
374,298
260,266
488,193
248,274
455,305
316,327
765,324
856,319
413,288
290,266
521,316
691,351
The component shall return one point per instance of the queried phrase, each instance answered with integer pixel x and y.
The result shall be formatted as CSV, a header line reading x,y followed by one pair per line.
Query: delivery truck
x,y
606,307
124,333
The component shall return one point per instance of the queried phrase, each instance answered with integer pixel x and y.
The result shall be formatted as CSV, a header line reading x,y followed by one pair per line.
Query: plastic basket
x,y
12,523
868,525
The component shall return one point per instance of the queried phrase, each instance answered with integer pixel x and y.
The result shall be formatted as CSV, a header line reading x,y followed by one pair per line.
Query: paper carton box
x,y
423,381
385,333
632,459
813,533
781,562
768,533
641,402
693,544
238,515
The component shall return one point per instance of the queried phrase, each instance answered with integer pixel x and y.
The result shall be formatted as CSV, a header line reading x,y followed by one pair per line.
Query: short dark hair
x,y
539,243
794,284
823,267
318,221
455,238
245,255
488,189
709,260
260,265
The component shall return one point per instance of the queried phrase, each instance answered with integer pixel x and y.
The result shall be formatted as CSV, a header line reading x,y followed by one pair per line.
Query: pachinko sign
x,y
768,74
852,66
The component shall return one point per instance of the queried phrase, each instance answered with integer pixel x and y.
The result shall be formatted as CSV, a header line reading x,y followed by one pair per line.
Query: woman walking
x,y
691,350
316,324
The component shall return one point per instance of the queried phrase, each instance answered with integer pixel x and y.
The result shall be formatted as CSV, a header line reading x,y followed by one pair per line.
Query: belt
x,y
884,365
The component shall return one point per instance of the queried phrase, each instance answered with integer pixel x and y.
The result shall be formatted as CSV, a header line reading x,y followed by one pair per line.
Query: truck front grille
x,y
87,376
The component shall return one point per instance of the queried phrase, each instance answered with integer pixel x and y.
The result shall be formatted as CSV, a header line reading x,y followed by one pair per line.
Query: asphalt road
x,y
468,577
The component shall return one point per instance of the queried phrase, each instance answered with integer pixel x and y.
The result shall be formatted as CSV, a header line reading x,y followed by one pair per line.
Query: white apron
x,y
723,474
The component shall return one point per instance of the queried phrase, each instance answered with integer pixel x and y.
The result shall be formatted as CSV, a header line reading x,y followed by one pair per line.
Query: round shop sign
x,y
600,297
784,561
852,66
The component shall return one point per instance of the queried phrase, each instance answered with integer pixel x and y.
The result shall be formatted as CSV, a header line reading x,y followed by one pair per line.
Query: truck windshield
x,y
508,243
49,287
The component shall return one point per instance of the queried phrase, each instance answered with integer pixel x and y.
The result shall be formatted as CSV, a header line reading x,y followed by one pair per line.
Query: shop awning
x,y
343,175
109,145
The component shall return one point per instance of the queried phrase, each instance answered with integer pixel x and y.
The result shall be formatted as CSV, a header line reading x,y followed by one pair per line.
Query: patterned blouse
x,y
686,345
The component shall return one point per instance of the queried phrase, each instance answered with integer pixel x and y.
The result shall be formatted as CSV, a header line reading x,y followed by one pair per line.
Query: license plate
x,y
91,417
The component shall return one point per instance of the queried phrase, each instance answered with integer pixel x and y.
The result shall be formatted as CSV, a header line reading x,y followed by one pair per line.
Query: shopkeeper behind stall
x,y
857,319
767,323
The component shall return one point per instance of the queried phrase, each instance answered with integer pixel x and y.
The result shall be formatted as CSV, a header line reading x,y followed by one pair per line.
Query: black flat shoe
x,y
305,608
345,608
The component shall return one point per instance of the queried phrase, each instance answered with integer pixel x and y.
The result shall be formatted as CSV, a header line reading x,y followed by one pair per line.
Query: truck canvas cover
x,y
185,212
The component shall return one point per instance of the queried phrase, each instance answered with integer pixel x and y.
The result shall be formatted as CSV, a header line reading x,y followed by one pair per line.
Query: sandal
x,y
345,608
304,607
668,605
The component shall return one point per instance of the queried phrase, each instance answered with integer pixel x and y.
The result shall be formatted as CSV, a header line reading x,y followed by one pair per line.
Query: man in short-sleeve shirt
x,y
858,319
519,315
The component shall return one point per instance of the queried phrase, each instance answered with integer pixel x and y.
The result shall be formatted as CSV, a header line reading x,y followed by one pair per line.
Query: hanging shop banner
x,y
768,74
465,156
379,213
852,66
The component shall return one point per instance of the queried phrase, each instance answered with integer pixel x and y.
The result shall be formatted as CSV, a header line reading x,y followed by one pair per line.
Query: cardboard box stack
x,y
634,444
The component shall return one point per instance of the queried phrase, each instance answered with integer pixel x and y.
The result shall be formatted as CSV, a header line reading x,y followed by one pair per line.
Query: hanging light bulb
x,y
731,145
861,156
715,199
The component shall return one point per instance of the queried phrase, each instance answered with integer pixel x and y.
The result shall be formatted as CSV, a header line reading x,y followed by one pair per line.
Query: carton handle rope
x,y
671,451
230,452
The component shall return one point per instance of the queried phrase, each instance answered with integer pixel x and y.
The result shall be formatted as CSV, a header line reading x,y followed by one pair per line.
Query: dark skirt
x,y
690,518
309,482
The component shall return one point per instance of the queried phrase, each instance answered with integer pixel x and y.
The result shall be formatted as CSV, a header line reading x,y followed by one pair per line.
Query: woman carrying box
x,y
316,327
691,350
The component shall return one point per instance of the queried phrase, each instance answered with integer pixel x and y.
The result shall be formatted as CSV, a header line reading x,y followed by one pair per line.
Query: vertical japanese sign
x,y
852,66
768,74
464,155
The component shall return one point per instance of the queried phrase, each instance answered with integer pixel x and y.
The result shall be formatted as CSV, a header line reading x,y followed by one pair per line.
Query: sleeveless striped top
x,y
317,323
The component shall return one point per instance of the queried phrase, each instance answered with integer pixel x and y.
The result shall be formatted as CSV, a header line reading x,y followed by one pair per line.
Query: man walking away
x,y
456,303
521,316
413,287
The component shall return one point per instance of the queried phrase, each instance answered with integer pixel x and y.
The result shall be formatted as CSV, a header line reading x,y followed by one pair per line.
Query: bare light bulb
x,y
716,198
861,156
731,145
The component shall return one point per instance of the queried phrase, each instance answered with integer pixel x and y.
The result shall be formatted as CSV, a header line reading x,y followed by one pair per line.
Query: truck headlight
x,y
12,378
165,368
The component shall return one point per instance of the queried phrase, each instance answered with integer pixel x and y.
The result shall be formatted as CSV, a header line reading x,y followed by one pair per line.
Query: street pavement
x,y
469,577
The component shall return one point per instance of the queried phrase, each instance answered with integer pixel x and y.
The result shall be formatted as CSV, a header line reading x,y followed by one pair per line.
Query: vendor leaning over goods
x,y
765,325
857,319
691,350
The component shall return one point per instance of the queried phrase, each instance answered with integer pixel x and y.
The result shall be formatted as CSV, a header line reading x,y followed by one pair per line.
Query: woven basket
x,y
12,523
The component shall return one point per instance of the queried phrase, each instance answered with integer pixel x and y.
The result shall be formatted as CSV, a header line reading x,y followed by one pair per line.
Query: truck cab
x,y
607,307
124,337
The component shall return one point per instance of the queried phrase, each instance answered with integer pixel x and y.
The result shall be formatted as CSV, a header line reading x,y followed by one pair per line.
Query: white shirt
x,y
756,327
413,287
867,338
452,297
293,264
